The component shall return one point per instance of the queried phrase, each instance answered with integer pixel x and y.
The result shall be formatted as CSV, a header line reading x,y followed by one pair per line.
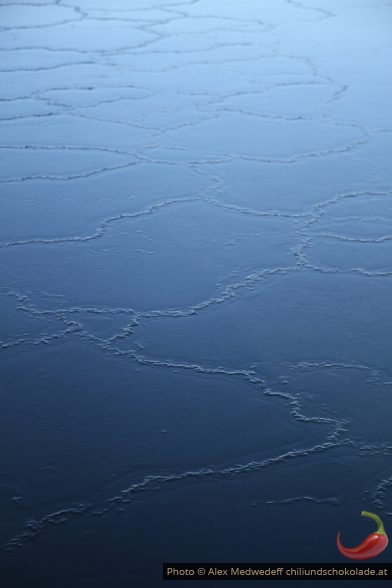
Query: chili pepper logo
x,y
372,546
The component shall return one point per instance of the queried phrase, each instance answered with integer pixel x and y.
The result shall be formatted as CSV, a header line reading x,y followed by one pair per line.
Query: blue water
x,y
196,280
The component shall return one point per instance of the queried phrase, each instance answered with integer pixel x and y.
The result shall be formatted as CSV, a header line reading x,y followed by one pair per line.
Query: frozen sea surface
x,y
196,284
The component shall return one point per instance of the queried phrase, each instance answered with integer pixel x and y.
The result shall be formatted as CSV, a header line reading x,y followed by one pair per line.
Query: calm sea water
x,y
196,280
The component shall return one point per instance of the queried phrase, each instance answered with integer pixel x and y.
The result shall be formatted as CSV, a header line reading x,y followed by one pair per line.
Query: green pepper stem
x,y
380,528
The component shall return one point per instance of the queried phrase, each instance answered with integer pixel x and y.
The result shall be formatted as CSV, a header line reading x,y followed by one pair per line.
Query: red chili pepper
x,y
373,545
